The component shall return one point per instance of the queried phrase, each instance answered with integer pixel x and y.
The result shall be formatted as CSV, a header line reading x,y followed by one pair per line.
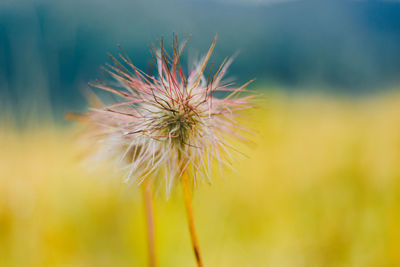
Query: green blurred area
x,y
50,50
320,187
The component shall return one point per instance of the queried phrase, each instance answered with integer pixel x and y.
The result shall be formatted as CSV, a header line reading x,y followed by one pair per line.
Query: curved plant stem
x,y
149,208
189,213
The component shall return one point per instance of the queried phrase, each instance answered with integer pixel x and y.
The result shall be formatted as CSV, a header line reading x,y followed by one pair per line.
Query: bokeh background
x,y
320,185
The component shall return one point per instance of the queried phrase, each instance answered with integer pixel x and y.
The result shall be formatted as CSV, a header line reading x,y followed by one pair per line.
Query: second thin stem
x,y
149,209
189,212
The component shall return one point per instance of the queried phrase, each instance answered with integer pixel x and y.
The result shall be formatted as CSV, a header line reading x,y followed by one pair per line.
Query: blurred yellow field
x,y
320,187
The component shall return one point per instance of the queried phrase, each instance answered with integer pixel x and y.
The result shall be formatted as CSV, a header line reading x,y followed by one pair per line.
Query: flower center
x,y
181,126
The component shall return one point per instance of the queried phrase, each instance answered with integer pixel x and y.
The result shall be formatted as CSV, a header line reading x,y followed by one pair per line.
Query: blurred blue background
x,y
50,50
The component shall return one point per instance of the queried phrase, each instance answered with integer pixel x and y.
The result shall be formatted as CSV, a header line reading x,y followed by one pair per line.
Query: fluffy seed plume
x,y
164,125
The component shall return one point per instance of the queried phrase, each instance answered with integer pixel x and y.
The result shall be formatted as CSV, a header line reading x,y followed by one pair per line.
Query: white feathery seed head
x,y
164,125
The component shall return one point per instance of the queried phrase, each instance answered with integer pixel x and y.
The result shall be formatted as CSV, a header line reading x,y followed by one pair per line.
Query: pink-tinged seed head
x,y
165,125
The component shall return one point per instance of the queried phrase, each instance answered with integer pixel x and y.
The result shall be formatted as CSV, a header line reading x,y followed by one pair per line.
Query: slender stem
x,y
149,208
189,213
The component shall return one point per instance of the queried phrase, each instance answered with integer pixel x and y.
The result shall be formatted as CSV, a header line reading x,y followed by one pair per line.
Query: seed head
x,y
169,123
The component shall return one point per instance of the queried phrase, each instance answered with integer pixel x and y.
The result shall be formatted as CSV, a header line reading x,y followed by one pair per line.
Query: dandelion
x,y
168,128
